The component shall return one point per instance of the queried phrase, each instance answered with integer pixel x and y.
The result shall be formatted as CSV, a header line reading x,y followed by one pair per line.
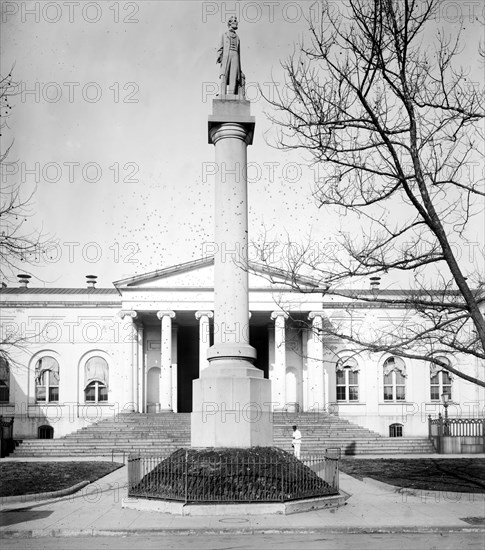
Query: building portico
x,y
169,349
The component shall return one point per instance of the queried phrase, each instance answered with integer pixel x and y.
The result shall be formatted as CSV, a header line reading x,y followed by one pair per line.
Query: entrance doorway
x,y
187,365
258,338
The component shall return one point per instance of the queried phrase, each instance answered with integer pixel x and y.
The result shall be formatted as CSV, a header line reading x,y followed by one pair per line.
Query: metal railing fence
x,y
456,427
189,476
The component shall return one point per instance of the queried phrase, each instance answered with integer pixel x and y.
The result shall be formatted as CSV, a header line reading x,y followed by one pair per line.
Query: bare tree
x,y
19,245
397,127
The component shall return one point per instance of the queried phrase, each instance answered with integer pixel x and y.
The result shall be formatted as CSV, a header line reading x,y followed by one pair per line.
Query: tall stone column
x,y
278,380
141,375
204,337
132,376
231,399
174,368
315,363
166,360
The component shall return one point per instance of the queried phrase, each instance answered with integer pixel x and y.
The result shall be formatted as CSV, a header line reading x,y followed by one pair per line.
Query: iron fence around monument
x,y
210,478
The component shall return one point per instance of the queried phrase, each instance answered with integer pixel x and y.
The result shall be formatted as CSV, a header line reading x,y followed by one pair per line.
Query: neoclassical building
x,y
83,354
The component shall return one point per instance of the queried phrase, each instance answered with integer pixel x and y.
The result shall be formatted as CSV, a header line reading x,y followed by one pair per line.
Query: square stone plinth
x,y
231,109
231,411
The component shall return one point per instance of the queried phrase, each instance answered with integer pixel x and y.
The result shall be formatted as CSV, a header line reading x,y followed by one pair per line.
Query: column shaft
x,y
141,376
131,376
279,371
231,223
166,360
204,337
315,364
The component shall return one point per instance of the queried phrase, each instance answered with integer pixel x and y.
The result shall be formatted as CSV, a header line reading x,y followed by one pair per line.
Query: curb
x,y
39,533
43,496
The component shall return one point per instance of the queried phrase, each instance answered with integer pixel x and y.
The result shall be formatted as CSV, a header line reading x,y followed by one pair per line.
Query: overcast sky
x,y
111,128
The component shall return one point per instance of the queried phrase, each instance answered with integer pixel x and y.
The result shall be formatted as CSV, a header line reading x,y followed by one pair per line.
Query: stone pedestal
x,y
231,399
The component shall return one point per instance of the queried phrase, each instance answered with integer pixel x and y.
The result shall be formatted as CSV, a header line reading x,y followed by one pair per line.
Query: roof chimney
x,y
374,283
24,280
91,281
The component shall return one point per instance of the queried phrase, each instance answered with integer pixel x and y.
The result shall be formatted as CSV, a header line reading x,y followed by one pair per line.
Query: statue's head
x,y
232,22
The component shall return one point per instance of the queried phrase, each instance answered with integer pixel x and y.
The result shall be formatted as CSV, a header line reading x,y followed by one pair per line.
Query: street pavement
x,y
373,507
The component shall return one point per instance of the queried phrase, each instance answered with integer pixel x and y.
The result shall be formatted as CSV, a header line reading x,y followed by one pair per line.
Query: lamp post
x,y
445,398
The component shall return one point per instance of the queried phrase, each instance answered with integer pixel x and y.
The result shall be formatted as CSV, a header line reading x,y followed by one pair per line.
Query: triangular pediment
x,y
200,274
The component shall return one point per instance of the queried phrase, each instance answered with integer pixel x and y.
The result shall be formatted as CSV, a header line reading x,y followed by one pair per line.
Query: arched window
x,y
395,430
394,379
96,380
347,371
440,380
4,380
47,380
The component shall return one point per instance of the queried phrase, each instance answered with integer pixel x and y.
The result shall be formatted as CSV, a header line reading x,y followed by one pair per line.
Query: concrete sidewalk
x,y
372,507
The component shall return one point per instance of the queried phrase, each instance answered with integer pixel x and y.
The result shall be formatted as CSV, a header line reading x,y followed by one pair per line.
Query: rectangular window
x,y
90,393
103,393
40,393
400,393
53,394
440,383
347,385
435,393
394,386
4,393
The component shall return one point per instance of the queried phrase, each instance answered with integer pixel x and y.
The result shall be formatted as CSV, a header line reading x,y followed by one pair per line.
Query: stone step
x,y
160,434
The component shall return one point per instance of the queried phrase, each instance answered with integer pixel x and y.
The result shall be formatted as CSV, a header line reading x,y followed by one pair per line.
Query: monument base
x,y
232,406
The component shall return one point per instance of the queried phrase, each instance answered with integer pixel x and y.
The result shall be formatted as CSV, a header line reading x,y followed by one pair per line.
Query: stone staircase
x,y
323,431
161,434
146,434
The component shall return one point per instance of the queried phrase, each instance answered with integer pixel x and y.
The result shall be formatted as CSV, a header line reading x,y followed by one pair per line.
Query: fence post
x,y
282,483
186,474
429,426
337,475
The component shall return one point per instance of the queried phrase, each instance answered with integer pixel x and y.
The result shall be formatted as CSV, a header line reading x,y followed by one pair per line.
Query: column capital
x,y
276,314
233,130
315,314
204,313
166,313
127,313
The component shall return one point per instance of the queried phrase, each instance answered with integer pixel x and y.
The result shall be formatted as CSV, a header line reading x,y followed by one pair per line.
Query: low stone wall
x,y
459,445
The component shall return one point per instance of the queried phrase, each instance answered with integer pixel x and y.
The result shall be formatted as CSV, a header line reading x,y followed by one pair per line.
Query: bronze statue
x,y
229,56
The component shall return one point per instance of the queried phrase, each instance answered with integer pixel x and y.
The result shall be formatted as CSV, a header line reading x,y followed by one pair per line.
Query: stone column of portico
x,y
315,363
231,399
132,376
204,337
141,375
166,360
278,380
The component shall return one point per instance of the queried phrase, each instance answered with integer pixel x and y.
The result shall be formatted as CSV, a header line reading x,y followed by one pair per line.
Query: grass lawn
x,y
465,475
23,478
